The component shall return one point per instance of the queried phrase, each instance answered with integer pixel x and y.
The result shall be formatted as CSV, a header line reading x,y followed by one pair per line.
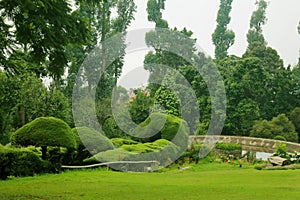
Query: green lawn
x,y
205,181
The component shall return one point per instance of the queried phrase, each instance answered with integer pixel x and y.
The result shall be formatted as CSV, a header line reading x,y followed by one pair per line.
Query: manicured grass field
x,y
205,181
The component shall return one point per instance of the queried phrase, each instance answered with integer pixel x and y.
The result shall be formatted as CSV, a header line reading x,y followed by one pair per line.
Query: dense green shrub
x,y
258,167
295,118
43,132
137,148
118,142
21,162
111,129
109,156
228,146
279,137
194,153
278,126
146,147
281,150
90,142
93,140
163,126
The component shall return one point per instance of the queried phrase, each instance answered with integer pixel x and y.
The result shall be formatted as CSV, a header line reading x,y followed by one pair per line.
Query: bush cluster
x,y
21,162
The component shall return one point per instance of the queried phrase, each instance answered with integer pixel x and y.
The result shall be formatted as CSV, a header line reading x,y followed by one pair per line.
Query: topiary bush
x,y
109,156
118,142
43,132
93,140
146,147
90,142
160,150
21,162
163,126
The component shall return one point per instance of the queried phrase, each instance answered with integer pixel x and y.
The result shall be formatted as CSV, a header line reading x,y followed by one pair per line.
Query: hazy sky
x,y
199,16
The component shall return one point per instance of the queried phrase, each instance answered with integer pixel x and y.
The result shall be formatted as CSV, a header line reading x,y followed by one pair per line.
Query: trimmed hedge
x,y
161,150
45,131
21,162
230,146
118,142
92,140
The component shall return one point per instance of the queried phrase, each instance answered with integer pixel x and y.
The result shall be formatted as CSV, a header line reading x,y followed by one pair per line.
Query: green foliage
x,y
194,153
258,19
278,126
162,126
45,131
140,105
20,162
295,118
118,142
92,140
154,8
160,150
111,129
279,137
168,101
39,30
137,148
258,167
146,147
222,37
18,108
281,150
110,155
228,146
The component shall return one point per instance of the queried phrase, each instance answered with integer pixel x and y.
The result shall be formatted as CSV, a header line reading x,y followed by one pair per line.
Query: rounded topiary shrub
x,y
92,140
43,132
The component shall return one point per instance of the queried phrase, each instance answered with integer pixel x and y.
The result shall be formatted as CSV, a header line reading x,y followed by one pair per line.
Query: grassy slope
x,y
210,181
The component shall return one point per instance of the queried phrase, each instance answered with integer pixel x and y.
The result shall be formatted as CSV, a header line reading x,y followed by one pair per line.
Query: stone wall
x,y
248,143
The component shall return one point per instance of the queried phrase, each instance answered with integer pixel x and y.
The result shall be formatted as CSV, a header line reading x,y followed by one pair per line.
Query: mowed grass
x,y
205,181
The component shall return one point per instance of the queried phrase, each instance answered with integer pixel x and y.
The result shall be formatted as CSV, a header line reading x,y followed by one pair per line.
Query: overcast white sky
x,y
199,16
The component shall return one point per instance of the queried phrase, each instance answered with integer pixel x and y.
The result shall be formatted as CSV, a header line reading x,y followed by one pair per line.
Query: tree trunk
x,y
22,114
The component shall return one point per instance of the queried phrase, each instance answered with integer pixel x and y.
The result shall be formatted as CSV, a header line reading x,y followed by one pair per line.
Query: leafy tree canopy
x,y
40,31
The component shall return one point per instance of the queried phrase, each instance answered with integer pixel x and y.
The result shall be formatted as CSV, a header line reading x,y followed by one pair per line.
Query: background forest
x,y
44,39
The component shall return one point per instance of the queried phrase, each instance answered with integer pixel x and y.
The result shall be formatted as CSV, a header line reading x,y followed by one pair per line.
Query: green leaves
x,y
278,126
41,29
258,19
222,37
154,8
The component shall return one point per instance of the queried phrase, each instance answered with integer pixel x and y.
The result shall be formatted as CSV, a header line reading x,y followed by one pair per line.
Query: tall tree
x,y
102,25
258,19
154,8
222,37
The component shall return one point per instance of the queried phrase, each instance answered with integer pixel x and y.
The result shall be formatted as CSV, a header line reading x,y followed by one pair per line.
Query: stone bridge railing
x,y
248,143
